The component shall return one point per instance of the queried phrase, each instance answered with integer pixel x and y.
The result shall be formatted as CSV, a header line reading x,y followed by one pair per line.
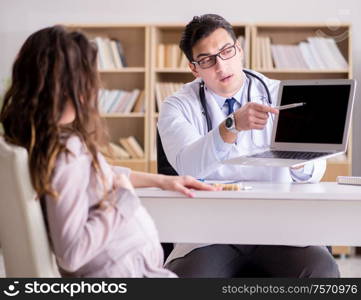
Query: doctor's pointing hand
x,y
250,116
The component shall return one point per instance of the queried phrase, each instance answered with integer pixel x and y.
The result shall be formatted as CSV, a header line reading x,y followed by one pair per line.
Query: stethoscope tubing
x,y
202,96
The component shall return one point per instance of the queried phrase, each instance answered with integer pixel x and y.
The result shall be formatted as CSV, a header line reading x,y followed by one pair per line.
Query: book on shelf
x,y
264,53
331,56
110,53
139,106
268,55
170,56
158,95
115,55
183,62
288,57
160,55
114,151
121,53
107,99
104,59
314,53
164,90
131,101
262,44
120,101
132,146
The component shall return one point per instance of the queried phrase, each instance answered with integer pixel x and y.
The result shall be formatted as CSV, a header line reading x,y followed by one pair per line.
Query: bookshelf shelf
x,y
134,164
172,70
116,115
291,71
123,70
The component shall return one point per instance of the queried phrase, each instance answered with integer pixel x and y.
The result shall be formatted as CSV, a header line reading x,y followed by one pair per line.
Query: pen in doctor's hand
x,y
288,106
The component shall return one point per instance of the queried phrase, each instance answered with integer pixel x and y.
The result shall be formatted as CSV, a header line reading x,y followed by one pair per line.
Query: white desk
x,y
284,214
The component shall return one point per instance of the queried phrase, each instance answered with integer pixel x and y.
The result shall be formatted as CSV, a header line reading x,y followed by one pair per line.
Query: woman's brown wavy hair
x,y
54,66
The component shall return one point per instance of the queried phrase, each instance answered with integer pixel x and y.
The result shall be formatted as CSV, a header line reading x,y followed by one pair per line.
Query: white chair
x,y
23,236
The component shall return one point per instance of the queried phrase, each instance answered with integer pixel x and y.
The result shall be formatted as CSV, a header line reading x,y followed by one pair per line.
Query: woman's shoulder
x,y
75,149
75,145
73,164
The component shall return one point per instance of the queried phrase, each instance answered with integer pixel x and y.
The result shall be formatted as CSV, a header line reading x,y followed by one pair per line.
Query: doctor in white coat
x,y
241,122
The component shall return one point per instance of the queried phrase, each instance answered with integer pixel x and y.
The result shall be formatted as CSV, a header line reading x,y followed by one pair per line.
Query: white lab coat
x,y
192,150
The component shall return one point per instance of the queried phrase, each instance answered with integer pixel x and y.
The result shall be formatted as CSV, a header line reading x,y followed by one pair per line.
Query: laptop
x,y
319,128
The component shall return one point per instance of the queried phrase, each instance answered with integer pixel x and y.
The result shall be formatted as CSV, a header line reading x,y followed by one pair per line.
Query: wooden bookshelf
x,y
293,34
135,42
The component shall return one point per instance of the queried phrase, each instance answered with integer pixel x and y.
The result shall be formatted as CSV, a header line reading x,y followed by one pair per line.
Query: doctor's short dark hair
x,y
201,27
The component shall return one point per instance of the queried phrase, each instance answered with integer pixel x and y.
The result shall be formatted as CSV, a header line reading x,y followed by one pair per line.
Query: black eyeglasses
x,y
210,60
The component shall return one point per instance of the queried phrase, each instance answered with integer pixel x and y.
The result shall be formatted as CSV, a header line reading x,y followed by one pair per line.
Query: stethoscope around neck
x,y
249,74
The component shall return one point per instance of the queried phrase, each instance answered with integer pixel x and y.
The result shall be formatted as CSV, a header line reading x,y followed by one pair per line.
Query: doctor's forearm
x,y
227,136
198,159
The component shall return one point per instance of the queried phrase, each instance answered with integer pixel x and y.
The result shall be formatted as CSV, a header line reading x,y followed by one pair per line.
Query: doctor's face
x,y
224,77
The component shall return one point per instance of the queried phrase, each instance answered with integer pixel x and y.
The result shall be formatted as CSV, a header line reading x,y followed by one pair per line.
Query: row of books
x,y
121,101
126,148
170,55
165,89
315,53
110,54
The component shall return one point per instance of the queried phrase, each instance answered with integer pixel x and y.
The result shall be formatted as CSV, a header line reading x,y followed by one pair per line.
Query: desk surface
x,y
319,191
270,213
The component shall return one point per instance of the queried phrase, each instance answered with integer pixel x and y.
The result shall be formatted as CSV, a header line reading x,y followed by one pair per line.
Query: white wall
x,y
19,18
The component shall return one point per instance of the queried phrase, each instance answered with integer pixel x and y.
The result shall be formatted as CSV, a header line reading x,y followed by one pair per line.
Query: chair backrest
x,y
164,167
23,236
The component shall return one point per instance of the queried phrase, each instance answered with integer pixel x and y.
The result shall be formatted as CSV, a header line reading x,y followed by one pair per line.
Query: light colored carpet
x,y
349,267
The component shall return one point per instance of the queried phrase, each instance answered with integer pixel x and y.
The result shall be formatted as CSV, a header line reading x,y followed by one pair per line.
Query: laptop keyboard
x,y
289,155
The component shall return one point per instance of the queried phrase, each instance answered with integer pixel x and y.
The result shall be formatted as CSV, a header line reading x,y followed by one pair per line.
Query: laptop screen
x,y
320,121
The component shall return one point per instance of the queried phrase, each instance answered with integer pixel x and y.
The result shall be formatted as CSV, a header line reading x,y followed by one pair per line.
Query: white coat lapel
x,y
214,111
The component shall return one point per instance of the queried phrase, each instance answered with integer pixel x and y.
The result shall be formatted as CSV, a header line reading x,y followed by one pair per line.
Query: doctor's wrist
x,y
226,135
